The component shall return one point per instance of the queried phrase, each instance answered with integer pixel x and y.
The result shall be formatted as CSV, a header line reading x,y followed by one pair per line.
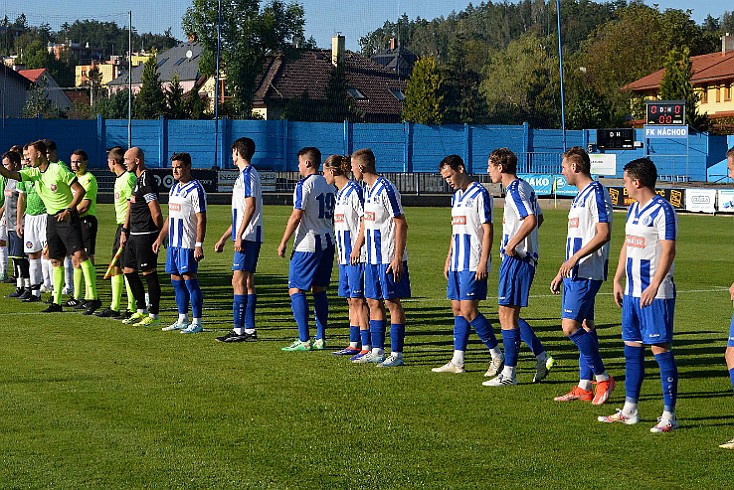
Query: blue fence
x,y
410,148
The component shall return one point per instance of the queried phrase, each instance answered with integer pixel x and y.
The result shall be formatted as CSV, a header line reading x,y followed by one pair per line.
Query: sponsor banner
x,y
563,188
604,164
164,179
542,184
700,200
226,179
674,196
655,131
726,201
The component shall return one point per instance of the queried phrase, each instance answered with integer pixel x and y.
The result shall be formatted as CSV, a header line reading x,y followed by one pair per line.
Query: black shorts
x,y
139,252
15,245
116,243
89,233
63,238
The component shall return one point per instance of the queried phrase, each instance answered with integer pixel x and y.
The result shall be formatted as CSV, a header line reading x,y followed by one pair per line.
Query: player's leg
x,y
130,269
148,262
33,248
71,233
302,270
472,292
180,293
57,254
658,324
320,284
117,281
189,267
509,297
252,254
393,292
344,291
729,356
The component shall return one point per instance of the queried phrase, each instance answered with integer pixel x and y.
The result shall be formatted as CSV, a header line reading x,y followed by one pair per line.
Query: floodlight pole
x,y
216,84
130,80
560,64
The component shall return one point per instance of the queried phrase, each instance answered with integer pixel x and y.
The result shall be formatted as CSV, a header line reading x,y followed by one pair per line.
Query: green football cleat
x,y
298,346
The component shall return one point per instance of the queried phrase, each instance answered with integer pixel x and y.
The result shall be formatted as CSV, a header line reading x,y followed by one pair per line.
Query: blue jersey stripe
x,y
514,192
630,277
180,232
247,180
601,204
644,274
378,246
467,251
298,203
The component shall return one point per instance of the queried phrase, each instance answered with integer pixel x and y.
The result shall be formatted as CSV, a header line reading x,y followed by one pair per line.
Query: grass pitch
x,y
92,403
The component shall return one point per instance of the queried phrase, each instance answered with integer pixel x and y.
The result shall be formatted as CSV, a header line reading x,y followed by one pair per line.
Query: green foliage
x,y
38,102
338,105
423,95
150,102
175,100
113,38
676,85
115,106
463,102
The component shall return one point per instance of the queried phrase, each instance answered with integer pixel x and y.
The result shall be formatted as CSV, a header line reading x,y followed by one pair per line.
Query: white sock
x,y
154,317
378,352
353,345
183,318
69,274
396,355
196,321
495,352
508,372
47,268
366,347
3,260
249,331
36,271
668,415
602,377
630,408
585,384
458,359
239,331
27,282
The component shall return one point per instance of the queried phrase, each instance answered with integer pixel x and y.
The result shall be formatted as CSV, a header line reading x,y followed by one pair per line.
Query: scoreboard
x,y
666,112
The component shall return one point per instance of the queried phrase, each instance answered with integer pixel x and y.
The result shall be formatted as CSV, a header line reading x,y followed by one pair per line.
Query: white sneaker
x,y
193,328
665,425
727,445
449,367
176,326
370,358
542,368
391,361
618,416
44,289
495,366
501,380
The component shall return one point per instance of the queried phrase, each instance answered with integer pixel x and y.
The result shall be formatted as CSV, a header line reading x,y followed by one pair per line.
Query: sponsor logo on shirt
x,y
458,220
176,207
573,223
635,241
369,216
339,218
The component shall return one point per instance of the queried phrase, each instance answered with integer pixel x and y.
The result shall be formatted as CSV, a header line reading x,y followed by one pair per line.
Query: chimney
x,y
392,44
337,49
727,43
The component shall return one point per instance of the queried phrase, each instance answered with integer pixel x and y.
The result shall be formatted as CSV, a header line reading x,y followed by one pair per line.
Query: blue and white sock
x,y
238,313
634,372
250,307
484,330
377,334
669,379
397,338
511,342
353,336
364,336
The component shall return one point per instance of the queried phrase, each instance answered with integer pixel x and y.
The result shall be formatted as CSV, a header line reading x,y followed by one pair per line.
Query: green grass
x,y
92,403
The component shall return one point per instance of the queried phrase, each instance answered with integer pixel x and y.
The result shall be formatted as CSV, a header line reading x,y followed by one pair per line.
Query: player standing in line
x,y
185,230
53,157
729,354
313,249
468,263
521,219
3,233
247,234
582,274
124,184
386,279
11,161
63,231
143,222
348,214
88,219
648,299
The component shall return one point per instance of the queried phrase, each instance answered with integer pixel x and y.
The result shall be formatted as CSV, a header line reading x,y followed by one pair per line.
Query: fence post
x,y
408,148
39,127
467,149
223,156
101,139
162,141
526,146
284,144
348,137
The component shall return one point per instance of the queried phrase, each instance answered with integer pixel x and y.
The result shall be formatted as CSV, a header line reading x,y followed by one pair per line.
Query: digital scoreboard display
x,y
666,112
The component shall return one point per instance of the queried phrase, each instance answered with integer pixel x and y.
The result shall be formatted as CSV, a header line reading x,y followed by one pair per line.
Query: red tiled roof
x,y
707,68
32,75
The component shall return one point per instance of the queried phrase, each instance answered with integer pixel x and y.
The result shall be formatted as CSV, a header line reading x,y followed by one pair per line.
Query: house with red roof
x,y
53,92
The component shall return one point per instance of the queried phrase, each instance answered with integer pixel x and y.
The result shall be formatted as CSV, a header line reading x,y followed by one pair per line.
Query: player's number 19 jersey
x,y
315,197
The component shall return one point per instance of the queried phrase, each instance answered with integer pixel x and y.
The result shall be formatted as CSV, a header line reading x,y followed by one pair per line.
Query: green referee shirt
x,y
33,202
124,184
55,185
89,182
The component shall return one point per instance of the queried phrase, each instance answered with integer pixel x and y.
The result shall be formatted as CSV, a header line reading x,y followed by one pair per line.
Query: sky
x,y
324,18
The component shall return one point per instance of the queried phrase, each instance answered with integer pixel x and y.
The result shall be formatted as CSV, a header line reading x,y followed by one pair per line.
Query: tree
x,y
463,102
175,100
248,35
113,107
38,102
339,105
150,102
94,82
423,96
676,85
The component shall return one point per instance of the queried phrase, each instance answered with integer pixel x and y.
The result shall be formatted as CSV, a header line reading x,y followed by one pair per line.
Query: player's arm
x,y
155,213
161,236
219,246
10,174
79,192
401,238
84,206
487,239
448,258
356,254
665,262
200,235
125,226
621,270
290,228
602,236
527,227
247,214
20,213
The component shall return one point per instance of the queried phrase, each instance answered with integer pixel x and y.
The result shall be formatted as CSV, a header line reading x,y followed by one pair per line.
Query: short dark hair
x,y
245,147
183,157
81,153
39,145
644,170
312,153
13,156
116,154
367,157
505,158
50,145
453,161
578,155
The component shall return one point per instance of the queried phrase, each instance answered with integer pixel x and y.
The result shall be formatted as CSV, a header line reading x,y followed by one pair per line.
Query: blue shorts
x,y
730,343
463,286
378,284
578,299
516,277
351,281
181,261
247,260
650,325
308,269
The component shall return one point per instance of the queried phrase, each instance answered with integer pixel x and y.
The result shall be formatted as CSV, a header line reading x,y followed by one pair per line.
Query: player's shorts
x,y
139,253
516,277
89,233
247,260
578,299
63,238
463,286
378,284
730,343
15,245
34,232
650,325
181,261
116,242
3,229
351,280
309,269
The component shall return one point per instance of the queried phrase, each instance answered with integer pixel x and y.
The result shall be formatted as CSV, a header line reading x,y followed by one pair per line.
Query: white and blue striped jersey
x,y
520,202
348,215
184,202
315,197
590,207
644,230
470,209
381,205
247,185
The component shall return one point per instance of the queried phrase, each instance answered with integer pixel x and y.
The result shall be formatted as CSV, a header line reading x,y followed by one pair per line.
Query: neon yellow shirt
x,y
89,182
55,188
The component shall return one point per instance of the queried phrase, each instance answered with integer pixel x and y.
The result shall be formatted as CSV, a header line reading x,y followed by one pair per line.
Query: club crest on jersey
x,y
647,220
635,241
458,220
369,216
53,187
573,223
468,203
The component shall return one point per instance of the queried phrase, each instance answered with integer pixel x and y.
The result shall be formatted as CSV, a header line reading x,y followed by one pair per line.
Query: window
x,y
398,94
356,94
727,92
718,94
705,94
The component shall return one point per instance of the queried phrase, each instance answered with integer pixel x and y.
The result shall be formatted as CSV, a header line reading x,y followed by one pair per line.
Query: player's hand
x,y
123,239
618,293
61,217
396,267
19,229
510,251
198,253
567,267
281,250
555,285
648,296
238,244
219,246
446,270
481,273
156,245
355,256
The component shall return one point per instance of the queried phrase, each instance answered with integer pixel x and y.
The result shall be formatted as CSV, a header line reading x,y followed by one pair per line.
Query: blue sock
x,y
588,350
299,305
397,337
238,310
528,336
182,296
634,371
197,298
668,378
484,330
250,311
353,334
511,342
377,333
731,376
585,371
461,333
364,336
321,312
